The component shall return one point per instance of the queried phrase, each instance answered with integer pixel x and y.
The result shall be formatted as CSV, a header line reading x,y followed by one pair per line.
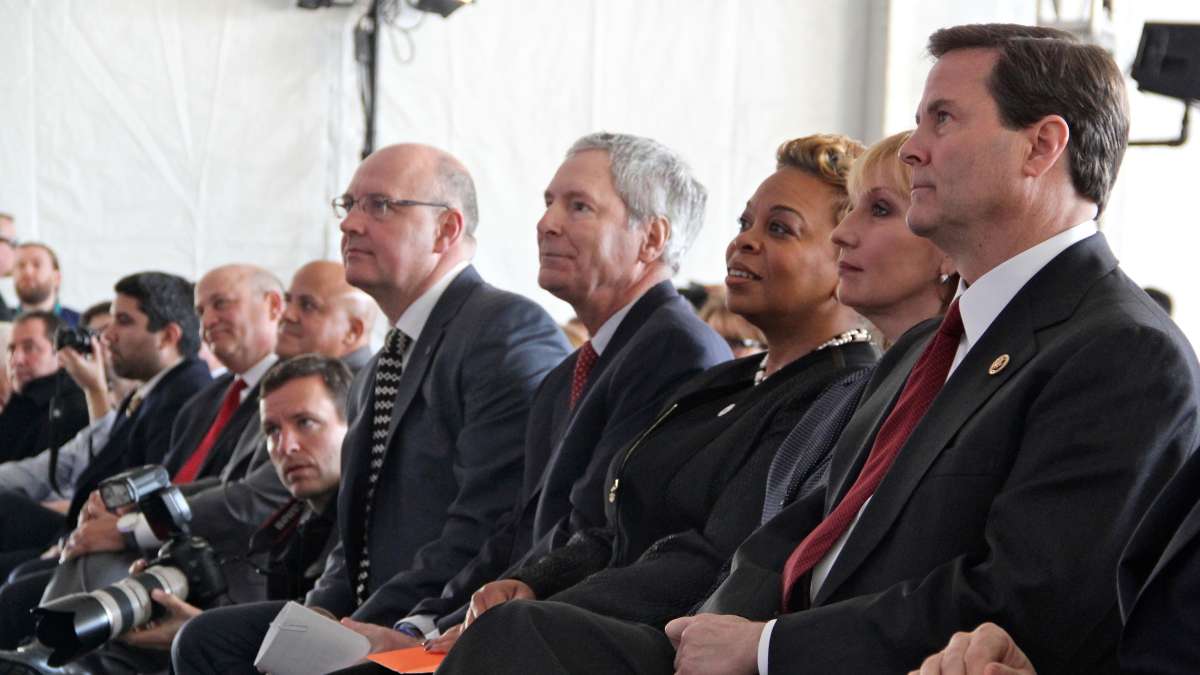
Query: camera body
x,y
77,338
186,567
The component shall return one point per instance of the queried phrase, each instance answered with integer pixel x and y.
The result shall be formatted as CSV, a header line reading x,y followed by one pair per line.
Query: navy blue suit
x,y
147,436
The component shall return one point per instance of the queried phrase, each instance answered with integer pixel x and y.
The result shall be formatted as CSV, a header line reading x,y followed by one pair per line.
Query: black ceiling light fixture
x,y
1168,63
442,7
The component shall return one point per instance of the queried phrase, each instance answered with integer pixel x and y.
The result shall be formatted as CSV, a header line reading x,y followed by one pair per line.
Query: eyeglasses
x,y
377,206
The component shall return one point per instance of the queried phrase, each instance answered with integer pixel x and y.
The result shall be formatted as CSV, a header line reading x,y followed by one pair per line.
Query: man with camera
x,y
154,338
46,408
211,437
217,440
303,413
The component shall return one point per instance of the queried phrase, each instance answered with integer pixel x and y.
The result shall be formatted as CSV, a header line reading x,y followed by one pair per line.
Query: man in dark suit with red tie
x,y
999,460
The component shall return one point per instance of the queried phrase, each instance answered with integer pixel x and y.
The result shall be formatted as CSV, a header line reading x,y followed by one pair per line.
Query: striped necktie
x,y
387,384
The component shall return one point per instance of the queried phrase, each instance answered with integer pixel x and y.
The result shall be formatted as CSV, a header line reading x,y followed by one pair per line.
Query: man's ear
x,y
654,246
170,334
355,331
1047,142
274,305
450,228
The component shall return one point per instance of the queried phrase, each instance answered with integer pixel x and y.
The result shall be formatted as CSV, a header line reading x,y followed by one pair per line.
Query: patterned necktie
x,y
583,367
228,406
923,385
387,383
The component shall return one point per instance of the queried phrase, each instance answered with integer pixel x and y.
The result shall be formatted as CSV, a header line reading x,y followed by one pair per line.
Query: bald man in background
x,y
325,315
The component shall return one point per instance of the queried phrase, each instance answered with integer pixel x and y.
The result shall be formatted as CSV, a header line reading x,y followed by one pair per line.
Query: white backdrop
x,y
179,135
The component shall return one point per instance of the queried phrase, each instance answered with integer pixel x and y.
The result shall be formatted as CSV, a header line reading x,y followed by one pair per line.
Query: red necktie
x,y
923,385
583,366
192,467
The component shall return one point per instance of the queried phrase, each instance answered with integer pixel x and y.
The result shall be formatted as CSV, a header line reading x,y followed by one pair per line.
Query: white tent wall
x,y
174,135
509,86
179,135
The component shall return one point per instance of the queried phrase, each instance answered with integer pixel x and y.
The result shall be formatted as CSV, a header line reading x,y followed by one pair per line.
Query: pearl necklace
x,y
852,335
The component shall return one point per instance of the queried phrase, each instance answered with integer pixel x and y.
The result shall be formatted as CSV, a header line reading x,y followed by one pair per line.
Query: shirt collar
x,y
256,372
149,385
981,302
608,329
413,320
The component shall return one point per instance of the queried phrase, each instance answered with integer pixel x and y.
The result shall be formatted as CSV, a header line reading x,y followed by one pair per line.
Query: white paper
x,y
301,642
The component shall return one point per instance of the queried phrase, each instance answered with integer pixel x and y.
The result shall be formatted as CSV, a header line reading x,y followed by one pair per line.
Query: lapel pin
x,y
998,365
726,409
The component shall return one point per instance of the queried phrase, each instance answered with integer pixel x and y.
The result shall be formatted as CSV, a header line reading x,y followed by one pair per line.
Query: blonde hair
x,y
827,157
883,160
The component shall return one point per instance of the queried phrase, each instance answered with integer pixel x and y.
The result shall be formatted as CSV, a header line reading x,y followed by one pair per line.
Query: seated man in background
x,y
217,438
46,408
303,416
324,315
153,338
37,280
49,476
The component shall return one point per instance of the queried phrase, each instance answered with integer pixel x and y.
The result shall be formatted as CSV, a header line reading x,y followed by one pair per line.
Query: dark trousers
x,y
539,637
26,529
223,640
17,599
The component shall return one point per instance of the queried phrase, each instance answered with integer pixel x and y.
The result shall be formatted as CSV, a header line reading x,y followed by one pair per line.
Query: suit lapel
x,y
638,315
1048,298
426,346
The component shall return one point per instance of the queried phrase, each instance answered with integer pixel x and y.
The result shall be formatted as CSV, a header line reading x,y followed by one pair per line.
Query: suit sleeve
x,y
227,514
515,345
332,590
1111,421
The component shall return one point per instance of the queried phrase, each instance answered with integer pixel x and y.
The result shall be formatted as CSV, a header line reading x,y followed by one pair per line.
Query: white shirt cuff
x,y
144,535
764,647
424,623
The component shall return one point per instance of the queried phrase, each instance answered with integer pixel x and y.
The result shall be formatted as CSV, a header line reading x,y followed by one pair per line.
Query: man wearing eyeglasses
x,y
435,451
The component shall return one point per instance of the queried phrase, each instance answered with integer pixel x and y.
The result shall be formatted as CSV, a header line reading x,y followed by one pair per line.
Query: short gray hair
x,y
654,182
455,187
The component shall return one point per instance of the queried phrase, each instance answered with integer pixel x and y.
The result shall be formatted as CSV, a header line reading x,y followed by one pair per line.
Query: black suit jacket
x,y
144,437
691,491
46,413
658,345
455,451
1012,498
1158,582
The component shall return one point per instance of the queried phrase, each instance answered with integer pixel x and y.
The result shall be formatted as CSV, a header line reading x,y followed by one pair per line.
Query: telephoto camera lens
x,y
76,624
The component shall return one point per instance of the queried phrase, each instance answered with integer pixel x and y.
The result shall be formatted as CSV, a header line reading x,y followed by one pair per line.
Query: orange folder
x,y
411,660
